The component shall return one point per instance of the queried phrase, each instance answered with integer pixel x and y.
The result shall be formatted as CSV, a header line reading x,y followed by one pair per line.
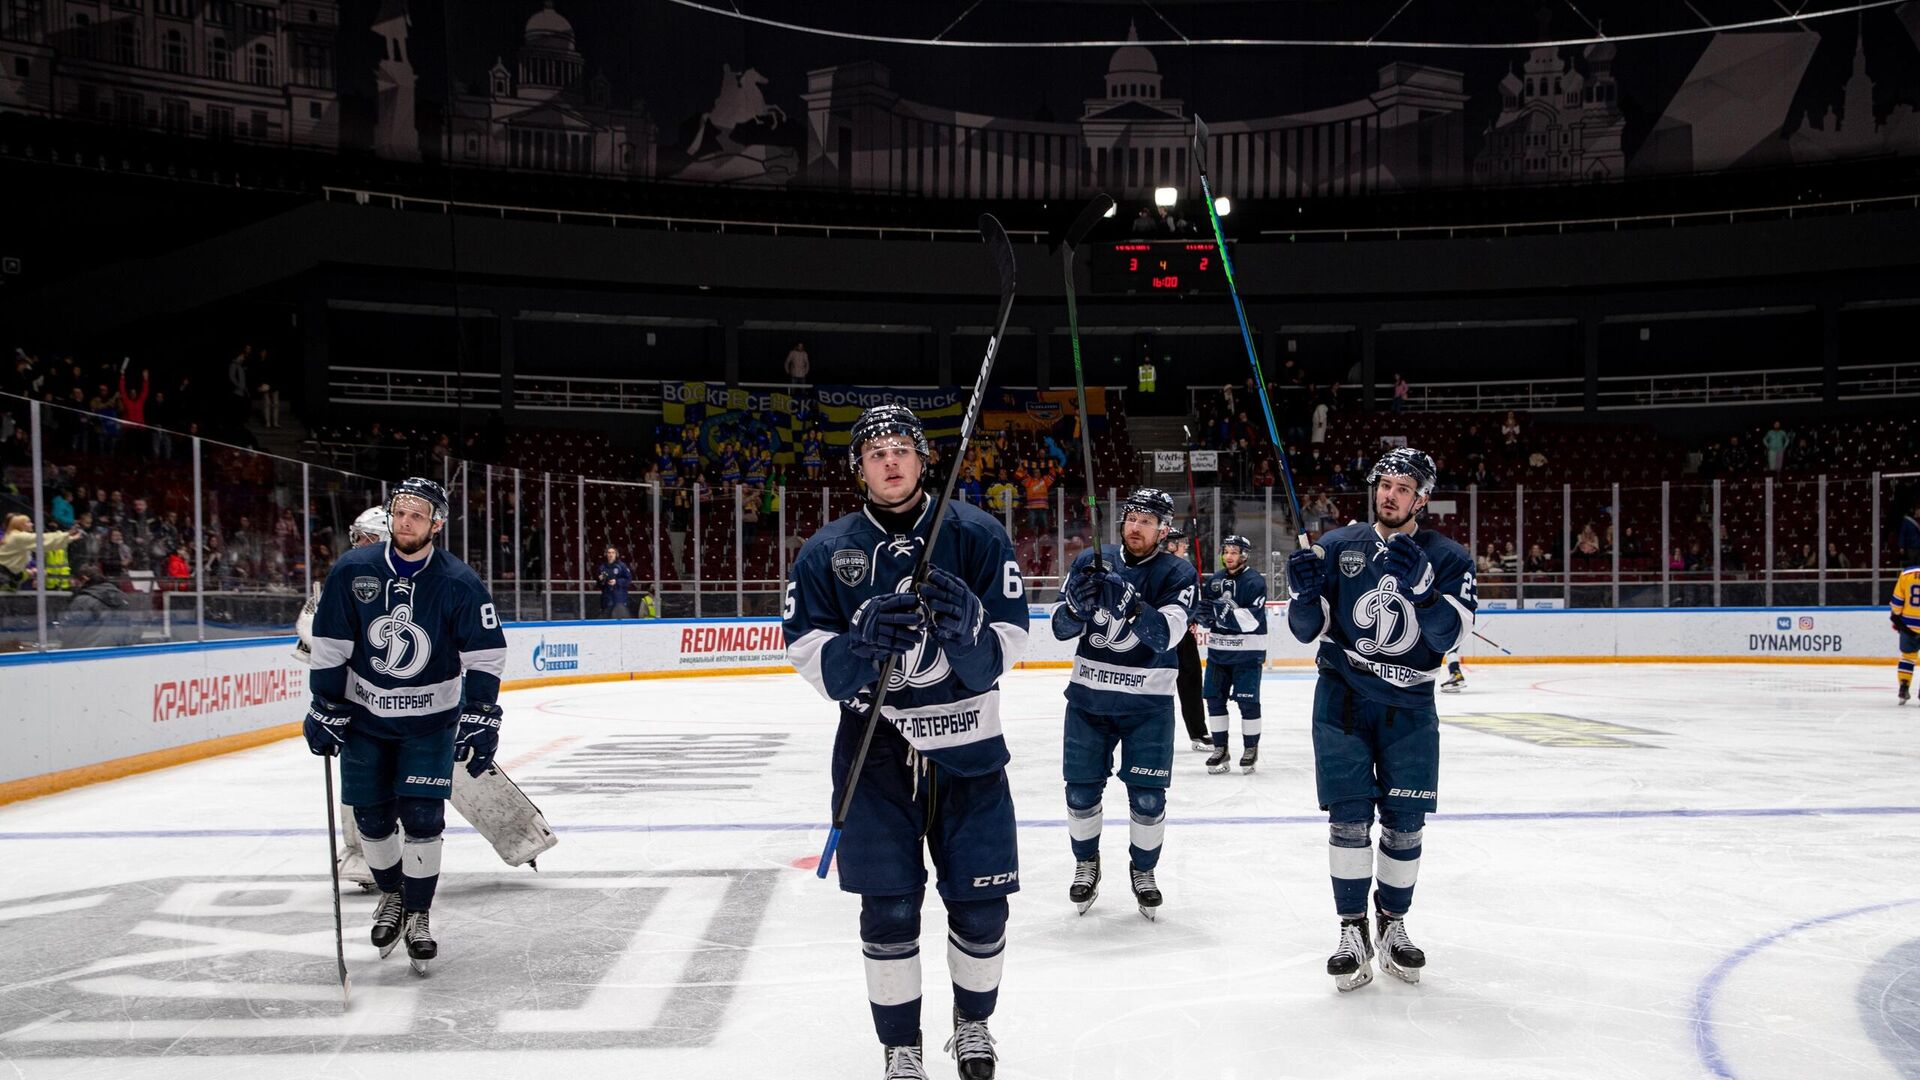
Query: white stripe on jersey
x,y
950,724
1466,623
491,661
402,700
1397,674
1121,679
1013,643
1176,622
806,654
330,652
1245,617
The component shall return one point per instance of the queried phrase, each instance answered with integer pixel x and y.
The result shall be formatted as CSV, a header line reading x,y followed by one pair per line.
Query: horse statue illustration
x,y
739,102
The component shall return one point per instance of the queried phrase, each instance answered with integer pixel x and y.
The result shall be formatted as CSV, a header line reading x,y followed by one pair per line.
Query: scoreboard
x,y
1158,267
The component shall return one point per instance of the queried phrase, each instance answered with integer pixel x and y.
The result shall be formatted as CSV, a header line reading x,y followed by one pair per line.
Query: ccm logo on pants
x,y
1007,878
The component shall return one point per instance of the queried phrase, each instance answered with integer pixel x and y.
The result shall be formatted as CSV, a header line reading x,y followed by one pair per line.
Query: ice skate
x,y
1454,684
421,948
1399,956
972,1048
904,1063
1221,761
1202,746
1351,964
1146,892
1903,693
1086,883
387,917
1249,758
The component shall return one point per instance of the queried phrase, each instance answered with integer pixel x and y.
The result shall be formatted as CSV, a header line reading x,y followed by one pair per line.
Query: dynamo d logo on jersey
x,y
558,656
407,648
1389,615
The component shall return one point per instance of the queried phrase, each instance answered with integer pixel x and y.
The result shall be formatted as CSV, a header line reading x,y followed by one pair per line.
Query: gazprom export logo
x,y
556,656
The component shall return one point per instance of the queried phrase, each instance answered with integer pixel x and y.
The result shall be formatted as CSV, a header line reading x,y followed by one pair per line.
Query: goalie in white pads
x,y
491,802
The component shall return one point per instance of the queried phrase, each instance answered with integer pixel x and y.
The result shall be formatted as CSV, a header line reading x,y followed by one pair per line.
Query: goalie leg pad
x,y
498,810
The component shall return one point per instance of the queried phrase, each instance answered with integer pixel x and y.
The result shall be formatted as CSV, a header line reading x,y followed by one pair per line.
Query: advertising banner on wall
x,y
1053,411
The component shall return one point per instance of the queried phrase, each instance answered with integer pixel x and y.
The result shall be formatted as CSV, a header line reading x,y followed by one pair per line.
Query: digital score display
x,y
1163,267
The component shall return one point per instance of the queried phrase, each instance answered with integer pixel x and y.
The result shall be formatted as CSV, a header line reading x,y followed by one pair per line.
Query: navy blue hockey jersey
x,y
1371,635
949,713
394,647
1131,668
1241,636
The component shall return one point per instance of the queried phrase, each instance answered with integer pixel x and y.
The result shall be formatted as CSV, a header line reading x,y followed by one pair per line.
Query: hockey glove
x,y
1081,594
1407,563
1117,597
326,727
478,738
1306,574
886,626
1899,626
955,612
1222,614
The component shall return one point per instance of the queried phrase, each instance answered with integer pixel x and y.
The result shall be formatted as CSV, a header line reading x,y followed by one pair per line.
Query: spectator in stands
x,y
133,406
1510,434
1001,494
1480,477
1489,560
616,578
970,488
1144,223
17,547
1400,392
178,569
1676,562
1631,546
1738,459
1509,558
1322,514
1800,454
503,566
1262,474
98,615
798,365
1808,559
1538,560
61,511
1910,536
1318,427
1776,441
1836,559
1036,487
1473,445
1586,548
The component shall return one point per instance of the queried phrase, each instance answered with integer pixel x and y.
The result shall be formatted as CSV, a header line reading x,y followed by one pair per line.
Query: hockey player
x,y
1233,606
1906,622
1129,613
935,775
1387,601
1193,711
407,656
1456,678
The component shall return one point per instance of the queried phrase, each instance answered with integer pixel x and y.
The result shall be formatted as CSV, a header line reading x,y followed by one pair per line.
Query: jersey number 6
x,y
1010,582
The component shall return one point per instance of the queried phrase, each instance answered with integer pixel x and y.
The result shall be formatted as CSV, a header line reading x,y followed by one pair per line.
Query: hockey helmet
x,y
373,526
1405,461
1245,545
419,487
888,419
1149,501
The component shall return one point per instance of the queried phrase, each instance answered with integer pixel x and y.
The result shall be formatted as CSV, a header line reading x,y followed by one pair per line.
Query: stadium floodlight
x,y
1165,196
1223,206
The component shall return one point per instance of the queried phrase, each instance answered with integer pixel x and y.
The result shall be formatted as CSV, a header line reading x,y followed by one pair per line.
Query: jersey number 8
x,y
489,618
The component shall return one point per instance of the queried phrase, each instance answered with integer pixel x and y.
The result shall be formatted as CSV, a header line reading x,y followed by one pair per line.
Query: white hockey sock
x,y
893,972
382,854
1147,833
1083,824
975,967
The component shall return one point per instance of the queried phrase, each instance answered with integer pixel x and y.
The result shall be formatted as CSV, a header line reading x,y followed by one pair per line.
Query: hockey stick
x,y
333,863
1193,503
1246,334
1492,642
1100,207
1001,249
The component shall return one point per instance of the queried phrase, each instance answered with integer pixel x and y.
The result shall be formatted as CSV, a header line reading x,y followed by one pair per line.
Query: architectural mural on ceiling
x,y
277,73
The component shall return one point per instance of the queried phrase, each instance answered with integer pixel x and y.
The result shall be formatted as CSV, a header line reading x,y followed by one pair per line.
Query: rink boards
x,y
82,716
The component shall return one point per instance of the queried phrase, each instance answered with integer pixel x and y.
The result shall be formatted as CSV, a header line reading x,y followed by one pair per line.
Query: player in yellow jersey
x,y
1906,622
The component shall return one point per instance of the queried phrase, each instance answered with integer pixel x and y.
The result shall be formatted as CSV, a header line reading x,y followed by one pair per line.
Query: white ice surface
x,y
1729,896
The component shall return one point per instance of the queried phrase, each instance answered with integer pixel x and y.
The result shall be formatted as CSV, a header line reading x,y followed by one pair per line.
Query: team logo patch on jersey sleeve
x,y
850,565
366,589
1352,562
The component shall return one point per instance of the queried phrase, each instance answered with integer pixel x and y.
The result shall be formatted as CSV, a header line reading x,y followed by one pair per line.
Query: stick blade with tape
x,y
1200,145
